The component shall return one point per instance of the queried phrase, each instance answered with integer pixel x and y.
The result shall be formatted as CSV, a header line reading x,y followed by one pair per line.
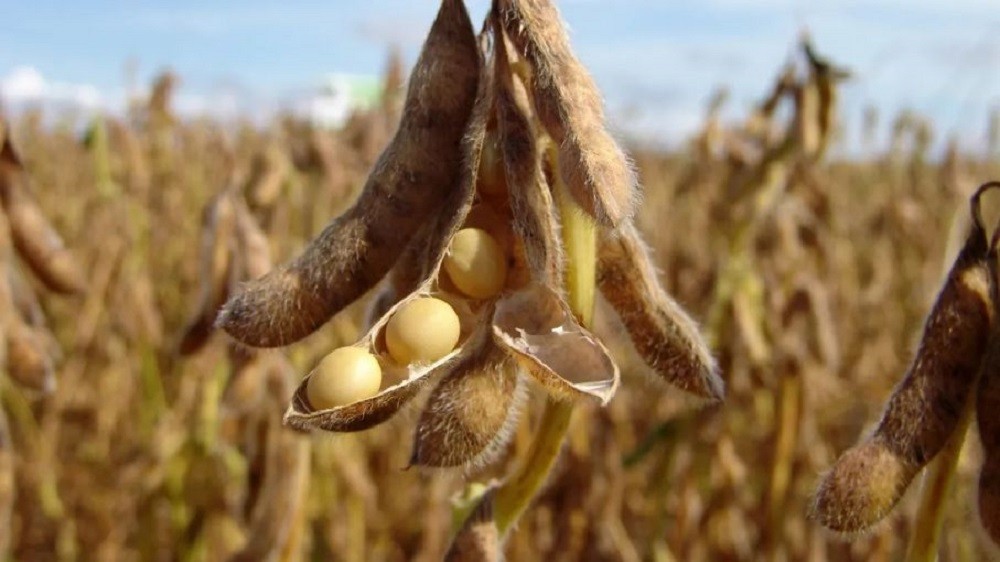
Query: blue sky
x,y
656,61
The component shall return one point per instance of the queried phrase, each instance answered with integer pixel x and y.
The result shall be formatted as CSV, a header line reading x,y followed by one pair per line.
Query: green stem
x,y
937,484
513,498
579,235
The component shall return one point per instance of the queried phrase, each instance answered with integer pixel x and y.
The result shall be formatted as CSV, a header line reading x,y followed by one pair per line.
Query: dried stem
x,y
579,235
937,484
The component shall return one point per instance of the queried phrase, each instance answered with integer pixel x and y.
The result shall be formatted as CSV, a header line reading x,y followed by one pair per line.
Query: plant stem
x,y
579,235
515,495
934,493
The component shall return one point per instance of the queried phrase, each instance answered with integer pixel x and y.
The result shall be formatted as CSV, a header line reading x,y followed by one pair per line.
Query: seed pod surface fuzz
x,y
419,169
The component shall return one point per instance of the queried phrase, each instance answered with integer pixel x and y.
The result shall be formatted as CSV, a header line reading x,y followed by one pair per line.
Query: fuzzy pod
x,y
218,270
36,241
864,485
531,202
418,170
401,383
536,326
665,336
599,176
988,498
925,407
471,413
987,404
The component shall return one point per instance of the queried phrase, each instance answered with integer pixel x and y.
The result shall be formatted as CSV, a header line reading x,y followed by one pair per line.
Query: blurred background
x,y
809,238
656,62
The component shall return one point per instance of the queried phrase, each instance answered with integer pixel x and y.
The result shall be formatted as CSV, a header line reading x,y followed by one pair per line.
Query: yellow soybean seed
x,y
424,330
345,375
476,263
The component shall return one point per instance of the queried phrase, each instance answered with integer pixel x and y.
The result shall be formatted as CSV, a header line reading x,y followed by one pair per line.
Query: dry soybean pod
x,y
664,335
218,269
252,245
418,169
471,414
596,170
26,350
869,479
400,383
530,198
38,244
987,405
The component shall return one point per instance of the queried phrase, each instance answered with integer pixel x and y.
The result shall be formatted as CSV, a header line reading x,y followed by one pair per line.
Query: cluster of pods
x,y
501,161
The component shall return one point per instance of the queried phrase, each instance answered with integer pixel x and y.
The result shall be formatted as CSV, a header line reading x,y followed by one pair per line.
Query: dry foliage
x,y
812,277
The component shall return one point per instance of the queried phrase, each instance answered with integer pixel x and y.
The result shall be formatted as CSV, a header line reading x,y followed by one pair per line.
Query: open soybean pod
x,y
470,415
416,172
596,170
401,381
664,335
36,241
868,480
532,323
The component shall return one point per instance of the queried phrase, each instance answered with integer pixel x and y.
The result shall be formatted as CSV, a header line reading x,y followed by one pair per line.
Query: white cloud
x,y
26,84
23,83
